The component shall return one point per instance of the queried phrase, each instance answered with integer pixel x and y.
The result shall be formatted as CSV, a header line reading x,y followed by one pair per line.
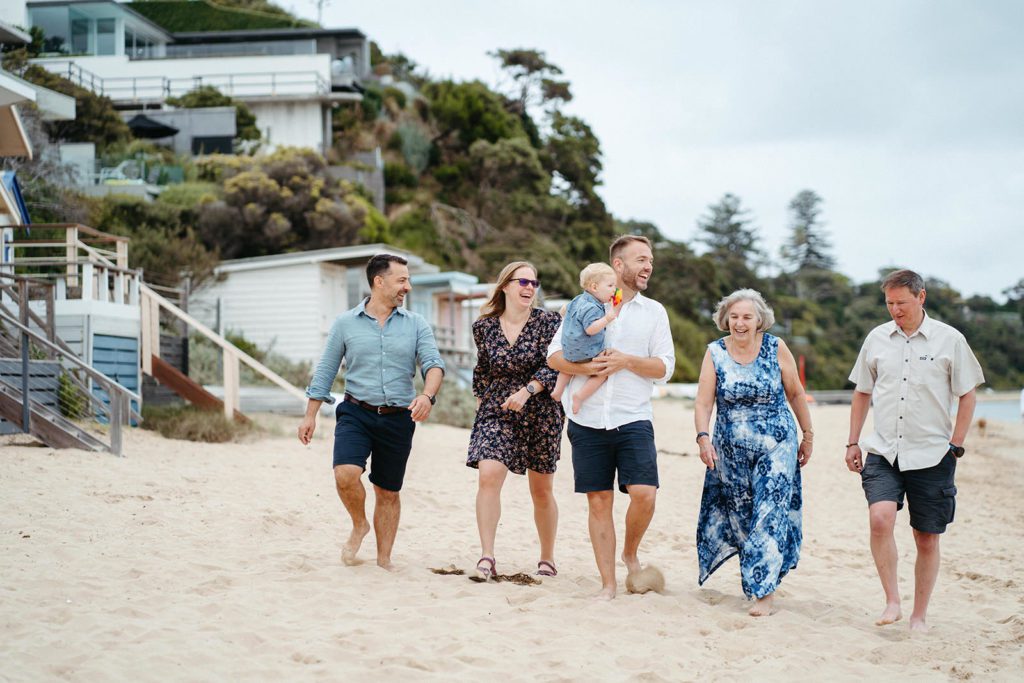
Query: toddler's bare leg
x,y
586,391
560,385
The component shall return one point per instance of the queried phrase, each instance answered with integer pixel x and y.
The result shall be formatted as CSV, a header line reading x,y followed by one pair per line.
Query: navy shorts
x,y
361,433
931,492
598,453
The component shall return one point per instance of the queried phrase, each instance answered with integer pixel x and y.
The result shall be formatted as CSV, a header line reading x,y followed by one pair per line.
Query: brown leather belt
x,y
380,410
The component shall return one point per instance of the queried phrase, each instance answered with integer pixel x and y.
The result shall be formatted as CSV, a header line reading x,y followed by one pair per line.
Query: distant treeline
x,y
479,175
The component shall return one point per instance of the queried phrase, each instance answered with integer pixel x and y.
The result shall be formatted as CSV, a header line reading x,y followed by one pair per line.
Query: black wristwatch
x,y
530,390
432,399
957,451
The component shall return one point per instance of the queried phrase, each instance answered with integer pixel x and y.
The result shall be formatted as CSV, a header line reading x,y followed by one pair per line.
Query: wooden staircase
x,y
190,390
25,339
48,426
152,305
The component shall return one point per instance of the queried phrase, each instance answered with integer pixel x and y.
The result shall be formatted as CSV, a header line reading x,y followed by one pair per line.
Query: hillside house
x,y
140,54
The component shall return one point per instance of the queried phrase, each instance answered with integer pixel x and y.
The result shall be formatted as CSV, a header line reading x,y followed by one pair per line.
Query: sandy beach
x,y
188,561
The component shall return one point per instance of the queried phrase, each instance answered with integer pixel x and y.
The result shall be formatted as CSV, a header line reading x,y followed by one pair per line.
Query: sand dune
x,y
209,562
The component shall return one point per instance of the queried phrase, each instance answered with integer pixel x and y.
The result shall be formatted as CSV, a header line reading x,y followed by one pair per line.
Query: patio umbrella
x,y
145,127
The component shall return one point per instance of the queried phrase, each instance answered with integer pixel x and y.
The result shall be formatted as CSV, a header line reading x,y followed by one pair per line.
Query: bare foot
x,y
607,593
385,564
918,624
632,563
577,403
890,615
556,395
762,606
351,547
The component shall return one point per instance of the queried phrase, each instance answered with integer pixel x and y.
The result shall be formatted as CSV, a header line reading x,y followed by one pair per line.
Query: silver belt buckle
x,y
380,409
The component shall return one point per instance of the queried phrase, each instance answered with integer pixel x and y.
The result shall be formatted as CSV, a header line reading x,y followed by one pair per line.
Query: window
x,y
105,37
80,36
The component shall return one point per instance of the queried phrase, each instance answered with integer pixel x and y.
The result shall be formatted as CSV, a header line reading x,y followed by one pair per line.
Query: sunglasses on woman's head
x,y
526,281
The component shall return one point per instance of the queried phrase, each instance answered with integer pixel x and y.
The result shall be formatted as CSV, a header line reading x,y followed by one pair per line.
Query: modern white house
x,y
288,302
290,77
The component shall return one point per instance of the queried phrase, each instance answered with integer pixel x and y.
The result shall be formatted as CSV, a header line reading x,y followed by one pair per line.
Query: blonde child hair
x,y
594,272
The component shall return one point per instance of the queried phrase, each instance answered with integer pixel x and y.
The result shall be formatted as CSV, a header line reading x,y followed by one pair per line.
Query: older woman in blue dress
x,y
752,503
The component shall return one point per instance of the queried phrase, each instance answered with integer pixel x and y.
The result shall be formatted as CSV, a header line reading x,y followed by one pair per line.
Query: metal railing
x,y
255,84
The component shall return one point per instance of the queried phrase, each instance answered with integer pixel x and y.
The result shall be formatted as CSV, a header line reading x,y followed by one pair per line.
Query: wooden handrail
x,y
99,234
44,261
232,354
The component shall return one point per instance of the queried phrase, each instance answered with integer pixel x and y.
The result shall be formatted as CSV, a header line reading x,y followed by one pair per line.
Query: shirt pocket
x,y
927,370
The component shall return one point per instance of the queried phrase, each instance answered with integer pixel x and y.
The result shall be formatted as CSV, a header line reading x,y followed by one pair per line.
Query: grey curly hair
x,y
765,314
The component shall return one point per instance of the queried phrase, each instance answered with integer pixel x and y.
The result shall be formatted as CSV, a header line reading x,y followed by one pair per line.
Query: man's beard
x,y
629,278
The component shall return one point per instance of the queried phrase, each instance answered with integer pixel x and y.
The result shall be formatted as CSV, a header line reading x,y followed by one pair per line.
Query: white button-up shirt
x,y
913,381
641,329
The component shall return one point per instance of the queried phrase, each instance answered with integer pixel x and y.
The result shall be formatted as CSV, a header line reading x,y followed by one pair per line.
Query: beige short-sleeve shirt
x,y
913,381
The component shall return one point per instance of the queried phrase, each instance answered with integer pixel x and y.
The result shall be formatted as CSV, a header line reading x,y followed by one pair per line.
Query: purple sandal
x,y
485,573
545,568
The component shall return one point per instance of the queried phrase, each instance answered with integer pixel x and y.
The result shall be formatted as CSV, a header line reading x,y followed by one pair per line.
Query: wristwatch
x,y
957,451
432,399
530,390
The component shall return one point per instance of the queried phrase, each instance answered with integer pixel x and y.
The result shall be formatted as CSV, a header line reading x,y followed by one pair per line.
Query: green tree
x,y
470,112
732,242
533,81
573,154
808,247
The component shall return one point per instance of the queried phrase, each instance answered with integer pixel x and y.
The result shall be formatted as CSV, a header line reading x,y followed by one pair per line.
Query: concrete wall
x,y
14,13
191,123
290,124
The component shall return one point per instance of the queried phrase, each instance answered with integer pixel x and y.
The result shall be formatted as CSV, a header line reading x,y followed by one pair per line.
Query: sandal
x,y
485,573
545,568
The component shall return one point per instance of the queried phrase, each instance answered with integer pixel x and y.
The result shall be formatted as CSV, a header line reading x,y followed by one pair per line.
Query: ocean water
x,y
1008,411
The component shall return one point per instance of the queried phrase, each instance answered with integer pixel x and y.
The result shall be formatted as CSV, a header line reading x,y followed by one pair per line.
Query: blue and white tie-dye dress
x,y
752,501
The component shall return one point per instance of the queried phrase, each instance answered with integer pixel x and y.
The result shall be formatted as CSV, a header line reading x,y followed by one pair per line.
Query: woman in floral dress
x,y
752,500
518,426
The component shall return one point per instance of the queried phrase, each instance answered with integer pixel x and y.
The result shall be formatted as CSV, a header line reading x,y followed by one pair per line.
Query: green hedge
x,y
202,15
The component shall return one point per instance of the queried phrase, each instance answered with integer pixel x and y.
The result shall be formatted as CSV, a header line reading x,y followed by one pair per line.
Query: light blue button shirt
x,y
380,362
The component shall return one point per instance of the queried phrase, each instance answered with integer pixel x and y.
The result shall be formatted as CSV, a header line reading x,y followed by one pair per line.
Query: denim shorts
x,y
930,492
384,440
598,453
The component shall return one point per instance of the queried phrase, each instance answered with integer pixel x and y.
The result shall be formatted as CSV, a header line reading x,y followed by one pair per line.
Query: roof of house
x,y
12,35
354,255
265,34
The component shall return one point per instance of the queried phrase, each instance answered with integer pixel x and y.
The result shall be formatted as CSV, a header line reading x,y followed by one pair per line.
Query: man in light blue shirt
x,y
381,343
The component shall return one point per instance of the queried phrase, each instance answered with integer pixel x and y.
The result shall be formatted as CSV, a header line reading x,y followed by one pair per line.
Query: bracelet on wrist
x,y
852,444
700,434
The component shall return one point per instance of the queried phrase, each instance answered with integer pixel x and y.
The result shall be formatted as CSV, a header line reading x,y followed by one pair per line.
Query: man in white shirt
x,y
613,430
913,368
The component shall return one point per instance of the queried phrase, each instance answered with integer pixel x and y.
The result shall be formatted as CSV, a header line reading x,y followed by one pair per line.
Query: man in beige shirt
x,y
913,368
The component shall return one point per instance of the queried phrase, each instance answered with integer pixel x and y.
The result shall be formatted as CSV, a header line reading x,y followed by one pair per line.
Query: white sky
x,y
907,117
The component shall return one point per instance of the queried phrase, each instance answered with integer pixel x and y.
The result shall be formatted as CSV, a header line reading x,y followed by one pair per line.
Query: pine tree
x,y
809,247
732,243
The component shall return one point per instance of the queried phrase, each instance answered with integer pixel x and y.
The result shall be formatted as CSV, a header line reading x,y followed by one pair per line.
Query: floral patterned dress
x,y
531,438
752,500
